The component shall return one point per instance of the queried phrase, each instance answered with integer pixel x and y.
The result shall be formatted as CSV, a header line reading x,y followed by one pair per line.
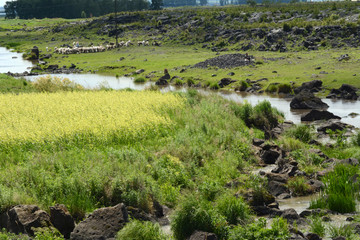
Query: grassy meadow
x,y
60,143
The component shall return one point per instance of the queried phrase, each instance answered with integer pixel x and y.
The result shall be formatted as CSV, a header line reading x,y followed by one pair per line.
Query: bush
x,y
272,88
259,231
214,86
137,230
234,209
193,214
140,80
54,84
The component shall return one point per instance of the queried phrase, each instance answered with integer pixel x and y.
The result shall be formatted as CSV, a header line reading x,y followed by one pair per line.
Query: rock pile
x,y
227,61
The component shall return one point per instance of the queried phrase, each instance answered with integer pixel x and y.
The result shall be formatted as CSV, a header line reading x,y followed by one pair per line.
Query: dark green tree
x,y
10,10
156,4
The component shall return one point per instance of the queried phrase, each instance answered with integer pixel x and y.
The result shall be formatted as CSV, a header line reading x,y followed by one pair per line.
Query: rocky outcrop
x,y
227,61
307,100
61,218
23,218
225,81
346,91
314,115
312,86
103,223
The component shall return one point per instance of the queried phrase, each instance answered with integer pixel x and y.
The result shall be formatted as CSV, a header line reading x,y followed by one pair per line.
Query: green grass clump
x,y
341,190
284,88
193,214
259,231
346,231
317,226
139,80
137,230
298,186
235,210
262,116
301,132
356,139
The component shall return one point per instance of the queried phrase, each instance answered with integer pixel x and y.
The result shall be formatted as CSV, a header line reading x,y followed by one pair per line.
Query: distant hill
x,y
2,11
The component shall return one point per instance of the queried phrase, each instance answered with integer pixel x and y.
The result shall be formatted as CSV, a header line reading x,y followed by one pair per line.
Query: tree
x,y
10,10
156,4
251,2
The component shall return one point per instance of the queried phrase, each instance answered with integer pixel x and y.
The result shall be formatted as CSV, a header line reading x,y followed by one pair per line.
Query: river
x,y
13,62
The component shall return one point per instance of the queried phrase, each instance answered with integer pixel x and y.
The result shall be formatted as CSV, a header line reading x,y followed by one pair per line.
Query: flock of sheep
x,y
76,49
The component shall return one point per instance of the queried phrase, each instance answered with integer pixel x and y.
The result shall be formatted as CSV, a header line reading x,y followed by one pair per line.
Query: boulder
x,y
314,115
35,53
346,91
313,236
22,218
312,86
307,100
225,81
333,126
276,188
199,235
258,142
163,81
269,156
103,223
61,218
290,215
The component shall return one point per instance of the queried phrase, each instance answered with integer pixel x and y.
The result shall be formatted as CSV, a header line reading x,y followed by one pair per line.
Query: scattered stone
x,y
326,219
350,219
199,235
333,126
284,196
231,73
61,219
344,57
314,115
270,156
306,100
350,161
353,115
140,71
290,215
103,223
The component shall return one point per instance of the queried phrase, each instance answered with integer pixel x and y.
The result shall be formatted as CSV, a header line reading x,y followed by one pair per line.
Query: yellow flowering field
x,y
73,116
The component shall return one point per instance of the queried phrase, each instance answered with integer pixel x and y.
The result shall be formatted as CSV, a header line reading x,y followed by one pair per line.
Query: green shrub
x,y
137,230
286,27
214,86
284,88
317,226
299,186
301,132
356,139
179,82
53,84
190,81
259,231
233,208
193,214
12,45
272,88
140,80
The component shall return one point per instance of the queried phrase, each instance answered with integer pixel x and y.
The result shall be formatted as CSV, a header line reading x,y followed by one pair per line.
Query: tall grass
x,y
301,132
54,84
137,230
341,190
317,226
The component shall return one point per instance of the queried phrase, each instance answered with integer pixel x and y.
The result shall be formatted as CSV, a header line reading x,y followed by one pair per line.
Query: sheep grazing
x,y
128,43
